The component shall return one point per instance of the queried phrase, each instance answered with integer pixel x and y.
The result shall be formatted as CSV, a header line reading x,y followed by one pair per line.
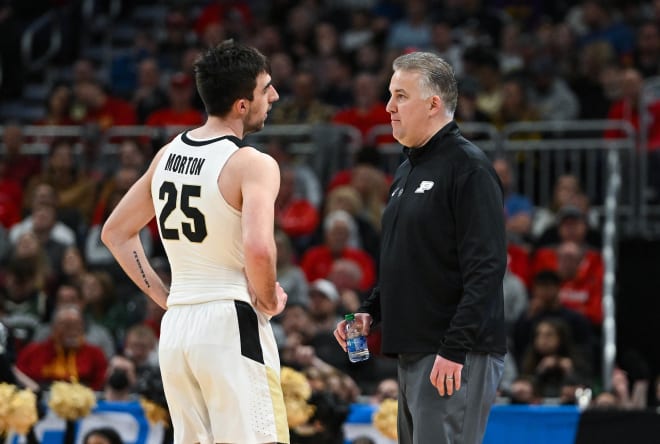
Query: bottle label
x,y
356,344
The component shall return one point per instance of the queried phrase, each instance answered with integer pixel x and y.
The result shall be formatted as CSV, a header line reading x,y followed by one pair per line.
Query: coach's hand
x,y
340,331
446,376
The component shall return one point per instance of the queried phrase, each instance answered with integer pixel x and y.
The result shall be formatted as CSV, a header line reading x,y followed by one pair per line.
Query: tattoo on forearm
x,y
139,264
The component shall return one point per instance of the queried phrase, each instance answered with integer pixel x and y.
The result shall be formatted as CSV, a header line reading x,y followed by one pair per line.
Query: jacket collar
x,y
416,154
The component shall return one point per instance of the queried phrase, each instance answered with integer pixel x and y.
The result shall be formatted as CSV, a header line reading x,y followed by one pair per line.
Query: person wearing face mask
x,y
120,383
65,355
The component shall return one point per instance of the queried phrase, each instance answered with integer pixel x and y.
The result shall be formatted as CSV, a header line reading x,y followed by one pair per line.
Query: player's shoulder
x,y
252,158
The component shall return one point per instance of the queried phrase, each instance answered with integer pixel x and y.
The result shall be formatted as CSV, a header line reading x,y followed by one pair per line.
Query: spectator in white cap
x,y
324,304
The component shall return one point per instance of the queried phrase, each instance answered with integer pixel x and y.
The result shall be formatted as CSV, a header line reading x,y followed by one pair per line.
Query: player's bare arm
x,y
121,235
260,182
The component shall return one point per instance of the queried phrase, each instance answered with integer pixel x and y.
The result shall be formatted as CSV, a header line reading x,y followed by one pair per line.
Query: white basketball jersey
x,y
200,231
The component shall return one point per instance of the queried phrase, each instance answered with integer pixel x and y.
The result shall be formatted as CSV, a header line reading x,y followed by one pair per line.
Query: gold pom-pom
x,y
296,390
155,413
385,418
6,393
22,412
71,401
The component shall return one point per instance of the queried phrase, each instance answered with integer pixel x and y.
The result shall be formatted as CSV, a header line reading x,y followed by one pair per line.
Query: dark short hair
x,y
547,277
107,432
227,73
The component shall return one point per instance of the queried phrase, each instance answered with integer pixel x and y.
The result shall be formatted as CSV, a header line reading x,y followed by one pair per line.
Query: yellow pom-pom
x,y
155,413
71,401
385,418
6,393
296,390
22,412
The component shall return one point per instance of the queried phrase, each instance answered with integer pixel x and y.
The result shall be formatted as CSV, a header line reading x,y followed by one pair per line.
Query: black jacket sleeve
x,y
372,306
481,248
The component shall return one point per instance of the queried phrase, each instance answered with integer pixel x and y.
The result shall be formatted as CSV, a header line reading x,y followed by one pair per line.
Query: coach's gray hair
x,y
436,76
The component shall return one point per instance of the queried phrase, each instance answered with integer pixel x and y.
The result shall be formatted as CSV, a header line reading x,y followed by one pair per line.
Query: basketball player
x,y
214,202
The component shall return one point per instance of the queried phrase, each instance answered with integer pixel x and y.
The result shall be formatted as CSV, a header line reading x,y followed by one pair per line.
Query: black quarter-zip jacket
x,y
443,253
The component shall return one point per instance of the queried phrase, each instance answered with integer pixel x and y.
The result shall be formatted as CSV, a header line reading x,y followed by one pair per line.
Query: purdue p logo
x,y
424,185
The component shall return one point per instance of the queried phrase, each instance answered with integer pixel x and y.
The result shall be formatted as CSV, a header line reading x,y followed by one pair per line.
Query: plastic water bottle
x,y
356,342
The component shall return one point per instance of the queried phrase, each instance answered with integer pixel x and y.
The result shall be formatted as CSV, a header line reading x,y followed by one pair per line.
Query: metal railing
x,y
47,22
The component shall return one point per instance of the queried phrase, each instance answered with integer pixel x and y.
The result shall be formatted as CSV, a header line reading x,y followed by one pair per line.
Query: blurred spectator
x,y
544,303
466,109
359,31
601,23
44,225
347,198
75,190
582,281
176,40
588,84
133,155
124,67
522,391
627,108
337,87
141,348
646,56
552,359
72,268
24,303
298,31
511,48
346,276
572,224
11,197
443,44
621,396
412,31
44,194
230,13
491,92
120,380
303,106
515,299
102,435
100,108
148,96
294,214
368,110
514,104
518,209
65,356
58,106
340,243
324,304
28,247
281,71
20,167
326,40
95,334
180,111
307,185
84,70
102,304
289,274
566,188
549,94
388,388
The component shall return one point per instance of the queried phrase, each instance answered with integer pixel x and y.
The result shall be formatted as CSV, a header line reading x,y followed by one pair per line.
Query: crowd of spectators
x,y
68,312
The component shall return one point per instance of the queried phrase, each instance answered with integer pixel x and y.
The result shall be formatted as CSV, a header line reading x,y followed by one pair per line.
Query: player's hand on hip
x,y
446,376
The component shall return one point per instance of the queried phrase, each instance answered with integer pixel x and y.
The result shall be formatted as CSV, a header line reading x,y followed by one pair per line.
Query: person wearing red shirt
x,y
341,242
101,108
581,271
65,356
368,111
181,111
20,167
295,216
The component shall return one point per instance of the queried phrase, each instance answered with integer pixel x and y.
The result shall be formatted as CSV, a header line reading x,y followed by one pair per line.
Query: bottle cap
x,y
349,316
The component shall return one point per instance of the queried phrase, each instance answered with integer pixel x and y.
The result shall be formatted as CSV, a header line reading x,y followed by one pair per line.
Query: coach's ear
x,y
435,105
